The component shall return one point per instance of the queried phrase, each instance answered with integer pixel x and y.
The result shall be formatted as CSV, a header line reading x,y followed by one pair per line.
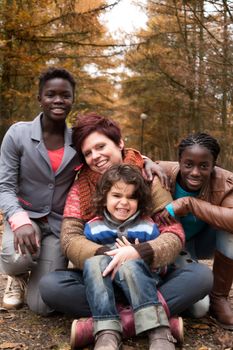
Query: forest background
x,y
178,70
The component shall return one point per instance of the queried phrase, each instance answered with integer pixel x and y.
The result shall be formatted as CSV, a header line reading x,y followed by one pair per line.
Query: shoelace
x,y
15,286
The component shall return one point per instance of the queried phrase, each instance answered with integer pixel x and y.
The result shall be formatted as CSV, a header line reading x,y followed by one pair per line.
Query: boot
x,y
176,323
82,329
161,339
108,340
220,308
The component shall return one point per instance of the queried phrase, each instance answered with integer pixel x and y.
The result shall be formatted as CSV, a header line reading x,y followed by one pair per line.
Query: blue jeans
x,y
64,291
139,287
203,245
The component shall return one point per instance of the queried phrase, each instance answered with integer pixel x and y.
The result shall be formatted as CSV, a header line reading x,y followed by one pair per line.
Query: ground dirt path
x,y
23,330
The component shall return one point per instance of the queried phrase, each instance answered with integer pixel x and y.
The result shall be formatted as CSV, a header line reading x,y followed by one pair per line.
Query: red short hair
x,y
88,123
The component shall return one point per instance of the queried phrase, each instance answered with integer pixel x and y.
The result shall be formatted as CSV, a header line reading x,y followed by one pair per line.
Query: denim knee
x,y
131,267
96,264
64,291
202,276
49,287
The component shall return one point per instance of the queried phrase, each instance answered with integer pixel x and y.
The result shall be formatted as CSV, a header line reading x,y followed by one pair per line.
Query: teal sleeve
x,y
170,209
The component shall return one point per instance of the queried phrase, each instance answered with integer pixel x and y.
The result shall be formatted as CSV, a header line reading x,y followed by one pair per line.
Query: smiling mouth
x,y
101,163
122,211
58,110
194,182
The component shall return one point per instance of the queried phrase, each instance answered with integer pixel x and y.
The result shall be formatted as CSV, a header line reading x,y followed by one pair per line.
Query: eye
x,y
116,195
188,165
87,154
133,197
204,166
49,94
67,96
100,146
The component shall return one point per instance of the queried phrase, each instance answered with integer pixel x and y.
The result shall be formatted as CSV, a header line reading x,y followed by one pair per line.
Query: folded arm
x,y
220,217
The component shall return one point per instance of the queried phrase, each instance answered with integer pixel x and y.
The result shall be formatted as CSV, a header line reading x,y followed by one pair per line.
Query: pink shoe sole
x,y
82,329
81,333
177,329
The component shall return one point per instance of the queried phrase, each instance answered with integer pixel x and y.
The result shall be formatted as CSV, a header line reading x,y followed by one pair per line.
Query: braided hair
x,y
201,139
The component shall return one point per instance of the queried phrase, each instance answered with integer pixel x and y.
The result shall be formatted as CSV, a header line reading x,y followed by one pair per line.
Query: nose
x,y
195,171
124,201
58,99
95,154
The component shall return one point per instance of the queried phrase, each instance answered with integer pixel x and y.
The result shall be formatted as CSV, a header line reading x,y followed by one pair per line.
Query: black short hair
x,y
52,73
201,139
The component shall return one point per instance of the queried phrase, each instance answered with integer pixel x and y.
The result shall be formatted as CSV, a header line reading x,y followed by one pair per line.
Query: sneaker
x,y
14,293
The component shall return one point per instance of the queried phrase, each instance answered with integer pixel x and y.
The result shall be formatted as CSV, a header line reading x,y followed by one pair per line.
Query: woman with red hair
x,y
98,140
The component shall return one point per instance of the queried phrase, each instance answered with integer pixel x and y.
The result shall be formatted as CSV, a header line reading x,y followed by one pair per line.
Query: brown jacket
x,y
158,252
214,205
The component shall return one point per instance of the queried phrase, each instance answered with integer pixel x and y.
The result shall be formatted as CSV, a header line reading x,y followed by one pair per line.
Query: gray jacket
x,y
27,181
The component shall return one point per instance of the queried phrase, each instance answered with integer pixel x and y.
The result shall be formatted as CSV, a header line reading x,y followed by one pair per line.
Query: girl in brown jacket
x,y
203,202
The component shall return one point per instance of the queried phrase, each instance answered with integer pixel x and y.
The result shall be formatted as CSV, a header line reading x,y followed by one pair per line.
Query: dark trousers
x,y
64,291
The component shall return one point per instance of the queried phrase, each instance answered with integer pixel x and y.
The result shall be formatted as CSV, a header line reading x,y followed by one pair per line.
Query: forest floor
x,y
23,330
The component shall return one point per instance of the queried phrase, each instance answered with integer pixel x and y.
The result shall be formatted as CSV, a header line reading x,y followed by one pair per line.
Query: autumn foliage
x,y
178,70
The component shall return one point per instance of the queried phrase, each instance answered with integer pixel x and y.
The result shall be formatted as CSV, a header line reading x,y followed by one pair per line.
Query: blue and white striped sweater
x,y
104,230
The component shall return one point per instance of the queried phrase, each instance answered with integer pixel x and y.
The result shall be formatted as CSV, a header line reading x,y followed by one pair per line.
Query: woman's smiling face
x,y
100,152
196,165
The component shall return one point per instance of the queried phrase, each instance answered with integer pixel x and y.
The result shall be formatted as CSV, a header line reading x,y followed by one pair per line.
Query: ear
x,y
121,144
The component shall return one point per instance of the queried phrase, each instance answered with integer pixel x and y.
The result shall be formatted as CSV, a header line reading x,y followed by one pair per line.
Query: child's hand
x,y
119,257
124,242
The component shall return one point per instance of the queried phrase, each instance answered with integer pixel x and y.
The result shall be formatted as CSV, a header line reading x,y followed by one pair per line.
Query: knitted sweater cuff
x,y
145,251
102,250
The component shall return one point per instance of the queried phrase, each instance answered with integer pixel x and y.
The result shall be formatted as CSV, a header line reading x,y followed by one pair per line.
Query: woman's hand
x,y
164,218
119,256
151,168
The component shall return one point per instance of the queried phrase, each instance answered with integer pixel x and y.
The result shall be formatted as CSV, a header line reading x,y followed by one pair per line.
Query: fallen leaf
x,y
200,326
15,346
225,340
